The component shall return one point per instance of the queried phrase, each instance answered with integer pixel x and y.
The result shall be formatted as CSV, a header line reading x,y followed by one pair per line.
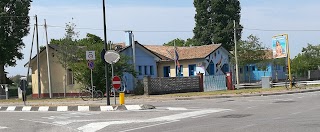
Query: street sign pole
x,y
114,90
91,84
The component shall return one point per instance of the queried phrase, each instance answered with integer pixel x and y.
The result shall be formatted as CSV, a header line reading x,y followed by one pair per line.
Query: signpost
x,y
90,56
112,57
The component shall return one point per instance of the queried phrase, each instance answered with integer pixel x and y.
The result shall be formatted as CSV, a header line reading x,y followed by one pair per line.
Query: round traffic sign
x,y
90,64
116,82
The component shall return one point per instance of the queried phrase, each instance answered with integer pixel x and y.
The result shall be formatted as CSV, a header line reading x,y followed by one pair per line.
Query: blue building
x,y
252,74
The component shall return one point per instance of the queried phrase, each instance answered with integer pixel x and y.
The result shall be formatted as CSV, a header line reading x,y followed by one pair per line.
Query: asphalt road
x,y
279,113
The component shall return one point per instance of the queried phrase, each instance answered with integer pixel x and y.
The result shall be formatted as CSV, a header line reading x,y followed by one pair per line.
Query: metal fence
x,y
214,83
166,85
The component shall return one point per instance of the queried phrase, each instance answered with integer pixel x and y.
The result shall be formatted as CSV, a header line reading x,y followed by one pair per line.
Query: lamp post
x,y
105,48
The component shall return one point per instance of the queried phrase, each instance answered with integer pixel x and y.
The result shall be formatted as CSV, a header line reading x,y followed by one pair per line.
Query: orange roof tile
x,y
185,53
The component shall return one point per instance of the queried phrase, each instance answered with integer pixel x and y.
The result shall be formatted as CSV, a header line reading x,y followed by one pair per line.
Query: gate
x,y
214,83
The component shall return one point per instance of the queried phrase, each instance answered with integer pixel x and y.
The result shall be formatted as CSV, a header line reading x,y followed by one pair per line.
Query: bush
x,y
139,89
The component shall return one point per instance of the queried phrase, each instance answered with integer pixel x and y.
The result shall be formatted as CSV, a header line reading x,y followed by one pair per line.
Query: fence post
x,y
200,82
146,82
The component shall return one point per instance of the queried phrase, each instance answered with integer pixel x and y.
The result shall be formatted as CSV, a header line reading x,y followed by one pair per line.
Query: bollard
x,y
121,98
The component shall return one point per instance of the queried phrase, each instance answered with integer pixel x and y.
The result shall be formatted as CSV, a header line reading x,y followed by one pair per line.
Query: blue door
x,y
192,69
166,71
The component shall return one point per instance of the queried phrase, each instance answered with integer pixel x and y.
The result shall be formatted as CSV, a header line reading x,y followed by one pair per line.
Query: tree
x,y
71,55
309,59
14,25
251,52
214,22
180,42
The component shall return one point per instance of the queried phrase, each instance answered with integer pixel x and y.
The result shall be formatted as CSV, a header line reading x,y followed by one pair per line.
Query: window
x,y
179,71
70,78
241,70
140,70
253,68
211,68
166,71
247,68
192,70
145,70
151,70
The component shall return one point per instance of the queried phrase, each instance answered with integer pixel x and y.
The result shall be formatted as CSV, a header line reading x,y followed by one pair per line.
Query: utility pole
x,y
105,48
38,58
30,57
235,50
48,61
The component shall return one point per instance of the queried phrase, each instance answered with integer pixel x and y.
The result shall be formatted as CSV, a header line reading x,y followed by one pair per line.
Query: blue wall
x,y
143,58
252,71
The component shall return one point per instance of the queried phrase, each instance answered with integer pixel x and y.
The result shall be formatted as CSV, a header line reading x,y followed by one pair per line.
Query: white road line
x,y
93,127
11,108
26,108
69,121
83,108
43,108
148,126
3,127
62,108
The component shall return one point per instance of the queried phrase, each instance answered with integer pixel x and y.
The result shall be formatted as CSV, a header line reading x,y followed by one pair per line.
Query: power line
x,y
296,30
116,30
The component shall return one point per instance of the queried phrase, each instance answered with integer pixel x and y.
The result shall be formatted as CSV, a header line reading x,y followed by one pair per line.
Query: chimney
x,y
128,37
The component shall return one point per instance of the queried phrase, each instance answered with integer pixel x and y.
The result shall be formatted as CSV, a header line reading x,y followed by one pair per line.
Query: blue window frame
x,y
192,70
211,68
151,70
140,70
166,71
145,70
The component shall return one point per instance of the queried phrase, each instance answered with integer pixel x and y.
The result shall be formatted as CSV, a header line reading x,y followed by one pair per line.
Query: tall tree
x,y
214,22
14,25
181,42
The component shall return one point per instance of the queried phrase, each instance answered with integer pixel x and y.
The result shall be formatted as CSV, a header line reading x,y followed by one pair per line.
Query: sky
x,y
155,22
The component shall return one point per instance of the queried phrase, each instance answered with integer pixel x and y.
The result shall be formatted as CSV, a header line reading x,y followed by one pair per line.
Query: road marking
x,y
43,108
93,127
69,121
11,108
3,127
83,108
26,108
176,108
62,108
148,126
106,108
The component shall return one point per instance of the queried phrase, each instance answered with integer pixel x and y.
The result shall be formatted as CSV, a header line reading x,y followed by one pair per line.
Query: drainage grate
x,y
284,101
236,116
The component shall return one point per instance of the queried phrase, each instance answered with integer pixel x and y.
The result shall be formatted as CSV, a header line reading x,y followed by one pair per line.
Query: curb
x,y
75,108
248,95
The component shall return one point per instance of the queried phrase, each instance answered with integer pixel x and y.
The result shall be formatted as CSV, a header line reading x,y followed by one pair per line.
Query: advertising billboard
x,y
279,46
